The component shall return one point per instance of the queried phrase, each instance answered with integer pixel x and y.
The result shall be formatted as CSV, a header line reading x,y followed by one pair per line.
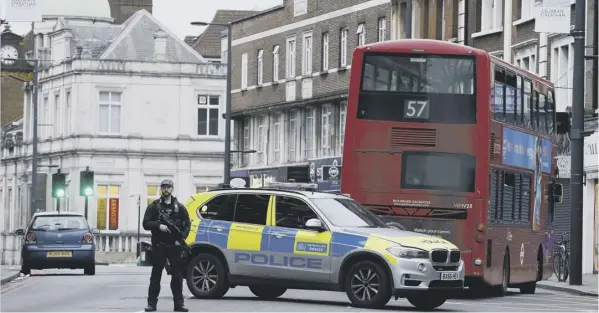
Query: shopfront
x,y
260,177
590,205
326,173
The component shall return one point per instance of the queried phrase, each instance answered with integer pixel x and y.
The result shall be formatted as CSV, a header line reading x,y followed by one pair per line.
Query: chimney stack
x,y
160,45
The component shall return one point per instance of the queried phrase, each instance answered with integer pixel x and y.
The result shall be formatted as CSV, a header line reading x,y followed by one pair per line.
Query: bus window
x,y
550,113
527,104
510,97
535,111
498,99
519,105
542,114
438,171
418,88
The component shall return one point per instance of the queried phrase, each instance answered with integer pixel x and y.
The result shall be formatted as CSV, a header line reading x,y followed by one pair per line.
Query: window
x,y
326,130
342,118
510,97
526,9
510,197
492,14
110,111
260,66
108,207
152,193
244,70
348,213
382,34
300,7
325,51
562,65
220,208
422,88
67,115
56,222
293,135
45,118
56,125
499,95
550,113
542,114
261,139
307,55
535,111
343,48
208,108
519,97
438,171
251,209
275,63
246,139
361,32
527,61
527,107
277,137
292,213
291,57
310,132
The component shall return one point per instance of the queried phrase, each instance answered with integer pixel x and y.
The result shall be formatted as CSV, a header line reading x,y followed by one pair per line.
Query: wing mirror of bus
x,y
563,122
314,224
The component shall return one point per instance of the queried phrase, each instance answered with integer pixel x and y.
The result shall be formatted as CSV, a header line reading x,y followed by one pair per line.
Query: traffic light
x,y
86,183
58,185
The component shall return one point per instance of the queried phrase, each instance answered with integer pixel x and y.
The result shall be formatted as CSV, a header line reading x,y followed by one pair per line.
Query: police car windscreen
x,y
347,213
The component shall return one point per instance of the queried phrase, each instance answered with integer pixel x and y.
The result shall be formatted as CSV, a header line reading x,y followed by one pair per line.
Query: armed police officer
x,y
164,245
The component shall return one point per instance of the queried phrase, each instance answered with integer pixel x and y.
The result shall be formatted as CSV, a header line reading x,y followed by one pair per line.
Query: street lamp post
x,y
227,169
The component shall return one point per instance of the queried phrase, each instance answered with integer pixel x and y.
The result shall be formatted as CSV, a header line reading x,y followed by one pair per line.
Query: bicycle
x,y
561,260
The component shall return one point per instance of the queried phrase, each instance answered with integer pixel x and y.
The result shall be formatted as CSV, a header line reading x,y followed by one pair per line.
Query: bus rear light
x,y
480,227
30,238
479,238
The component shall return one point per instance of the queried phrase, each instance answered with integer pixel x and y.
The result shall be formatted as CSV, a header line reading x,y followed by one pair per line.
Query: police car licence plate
x,y
450,276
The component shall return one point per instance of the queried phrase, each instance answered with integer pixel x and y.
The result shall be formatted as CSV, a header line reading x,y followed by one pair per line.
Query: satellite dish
x,y
237,182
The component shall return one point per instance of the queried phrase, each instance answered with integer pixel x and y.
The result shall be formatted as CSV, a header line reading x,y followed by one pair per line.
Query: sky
x,y
177,14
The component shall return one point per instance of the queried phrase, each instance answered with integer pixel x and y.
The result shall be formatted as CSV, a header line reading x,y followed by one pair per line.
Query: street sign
x,y
23,10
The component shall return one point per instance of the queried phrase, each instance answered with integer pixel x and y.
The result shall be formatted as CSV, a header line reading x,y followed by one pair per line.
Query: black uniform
x,y
163,246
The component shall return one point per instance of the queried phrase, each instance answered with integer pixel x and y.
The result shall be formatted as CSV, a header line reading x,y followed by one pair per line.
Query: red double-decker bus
x,y
446,140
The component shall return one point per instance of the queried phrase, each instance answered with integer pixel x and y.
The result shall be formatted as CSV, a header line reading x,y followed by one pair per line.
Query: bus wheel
x,y
502,289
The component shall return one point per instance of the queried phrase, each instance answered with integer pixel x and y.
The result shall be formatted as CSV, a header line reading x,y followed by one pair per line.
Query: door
x,y
297,253
245,240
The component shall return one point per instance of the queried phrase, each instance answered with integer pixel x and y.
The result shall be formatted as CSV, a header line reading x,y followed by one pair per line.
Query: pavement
x,y
588,287
9,272
124,289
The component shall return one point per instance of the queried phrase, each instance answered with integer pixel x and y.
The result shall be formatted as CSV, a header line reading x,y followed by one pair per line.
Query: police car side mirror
x,y
314,224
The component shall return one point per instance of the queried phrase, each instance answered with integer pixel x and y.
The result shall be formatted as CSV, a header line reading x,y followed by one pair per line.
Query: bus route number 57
x,y
416,109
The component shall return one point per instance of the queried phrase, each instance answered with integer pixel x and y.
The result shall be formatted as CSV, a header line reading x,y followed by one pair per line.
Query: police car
x,y
272,239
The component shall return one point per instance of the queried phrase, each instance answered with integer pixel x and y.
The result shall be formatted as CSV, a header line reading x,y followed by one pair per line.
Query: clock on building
x,y
9,54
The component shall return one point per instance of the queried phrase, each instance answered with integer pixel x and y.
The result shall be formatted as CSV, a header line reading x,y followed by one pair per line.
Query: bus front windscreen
x,y
418,88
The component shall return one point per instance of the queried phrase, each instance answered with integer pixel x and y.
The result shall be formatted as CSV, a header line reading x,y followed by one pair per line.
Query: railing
x,y
110,248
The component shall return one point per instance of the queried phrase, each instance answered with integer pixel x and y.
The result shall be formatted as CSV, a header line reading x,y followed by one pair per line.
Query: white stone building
x,y
134,103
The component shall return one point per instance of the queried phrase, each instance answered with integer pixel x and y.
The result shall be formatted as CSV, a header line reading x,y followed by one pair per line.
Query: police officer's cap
x,y
167,182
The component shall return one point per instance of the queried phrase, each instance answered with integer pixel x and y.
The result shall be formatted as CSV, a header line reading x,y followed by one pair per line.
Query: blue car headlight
x,y
408,253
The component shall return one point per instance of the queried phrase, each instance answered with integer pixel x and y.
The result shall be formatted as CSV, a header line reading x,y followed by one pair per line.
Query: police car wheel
x,y
367,285
427,302
267,292
207,277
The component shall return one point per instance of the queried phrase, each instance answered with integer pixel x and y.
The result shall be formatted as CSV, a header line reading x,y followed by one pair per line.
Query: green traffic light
x,y
60,193
89,191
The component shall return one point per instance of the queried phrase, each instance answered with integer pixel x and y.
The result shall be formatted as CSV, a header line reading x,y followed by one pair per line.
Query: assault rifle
x,y
166,220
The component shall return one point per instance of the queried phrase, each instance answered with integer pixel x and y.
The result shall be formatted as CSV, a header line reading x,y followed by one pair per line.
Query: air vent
x,y
413,137
492,146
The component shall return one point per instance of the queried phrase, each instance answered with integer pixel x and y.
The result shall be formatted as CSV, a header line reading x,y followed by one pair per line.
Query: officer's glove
x,y
164,228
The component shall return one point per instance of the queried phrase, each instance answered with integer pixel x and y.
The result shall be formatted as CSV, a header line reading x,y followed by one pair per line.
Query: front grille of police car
x,y
445,256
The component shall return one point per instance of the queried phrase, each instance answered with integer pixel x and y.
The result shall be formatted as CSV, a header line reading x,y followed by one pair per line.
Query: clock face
x,y
9,52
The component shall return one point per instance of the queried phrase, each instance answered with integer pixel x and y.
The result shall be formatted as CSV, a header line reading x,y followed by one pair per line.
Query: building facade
x,y
291,68
135,104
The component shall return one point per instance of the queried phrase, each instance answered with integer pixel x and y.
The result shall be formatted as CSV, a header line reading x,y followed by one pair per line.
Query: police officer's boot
x,y
150,308
181,308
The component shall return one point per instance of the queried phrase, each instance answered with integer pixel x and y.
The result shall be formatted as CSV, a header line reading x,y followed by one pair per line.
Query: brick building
x,y
291,68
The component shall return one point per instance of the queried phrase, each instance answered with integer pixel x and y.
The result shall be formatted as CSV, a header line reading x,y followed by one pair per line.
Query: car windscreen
x,y
59,222
347,213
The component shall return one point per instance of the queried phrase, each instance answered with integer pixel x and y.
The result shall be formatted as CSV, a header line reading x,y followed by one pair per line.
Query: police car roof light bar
x,y
292,186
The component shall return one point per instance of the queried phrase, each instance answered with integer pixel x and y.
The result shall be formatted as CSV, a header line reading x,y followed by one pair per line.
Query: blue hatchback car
x,y
58,240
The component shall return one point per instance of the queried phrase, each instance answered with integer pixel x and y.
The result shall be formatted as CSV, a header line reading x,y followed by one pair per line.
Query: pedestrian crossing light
x,y
86,183
58,185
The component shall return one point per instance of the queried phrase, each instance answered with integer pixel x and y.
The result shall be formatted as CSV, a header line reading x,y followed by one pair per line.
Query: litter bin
x,y
144,255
